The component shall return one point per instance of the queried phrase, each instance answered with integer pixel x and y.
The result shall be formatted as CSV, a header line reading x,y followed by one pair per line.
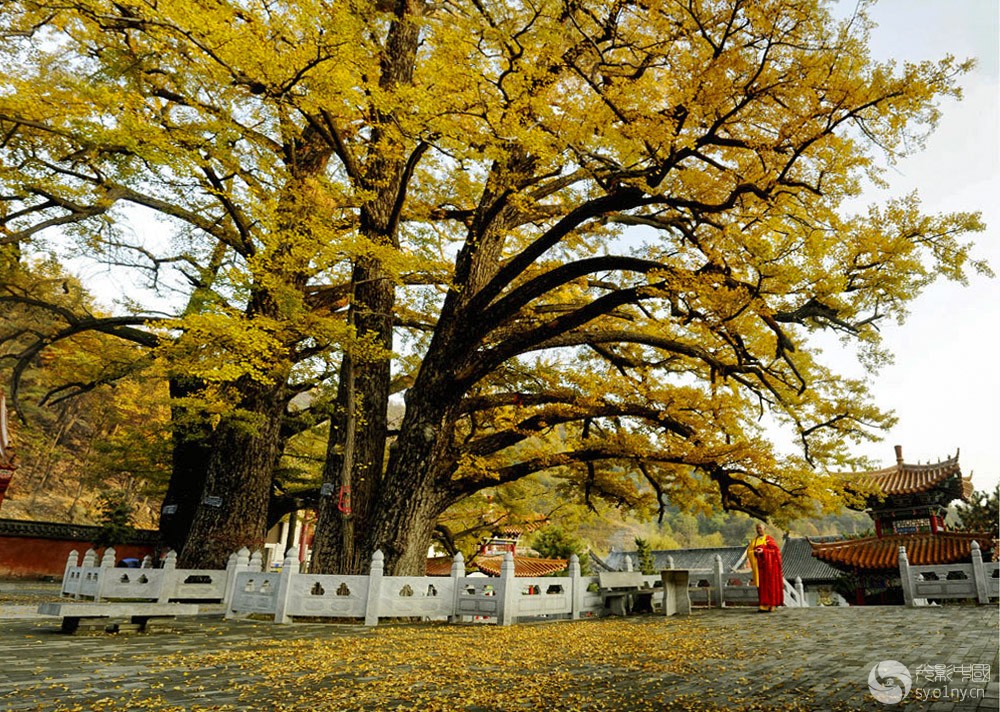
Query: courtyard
x,y
794,659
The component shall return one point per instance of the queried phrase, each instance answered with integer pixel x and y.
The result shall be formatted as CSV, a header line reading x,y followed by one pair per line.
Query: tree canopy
x,y
980,513
585,237
90,412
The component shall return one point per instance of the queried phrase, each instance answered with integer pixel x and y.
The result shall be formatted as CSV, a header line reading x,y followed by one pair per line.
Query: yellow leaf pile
x,y
647,663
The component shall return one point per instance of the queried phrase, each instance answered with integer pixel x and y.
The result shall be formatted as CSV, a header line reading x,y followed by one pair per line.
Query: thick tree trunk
x,y
190,435
356,449
415,488
191,450
333,545
232,512
398,516
404,526
401,513
345,540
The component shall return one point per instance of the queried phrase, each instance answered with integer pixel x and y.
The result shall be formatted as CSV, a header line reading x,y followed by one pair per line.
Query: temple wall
x,y
35,550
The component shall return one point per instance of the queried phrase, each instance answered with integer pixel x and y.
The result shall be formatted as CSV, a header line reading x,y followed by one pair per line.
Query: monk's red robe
x,y
768,576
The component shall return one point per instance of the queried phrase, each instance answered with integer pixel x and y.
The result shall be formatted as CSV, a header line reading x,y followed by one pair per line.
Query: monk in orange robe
x,y
765,563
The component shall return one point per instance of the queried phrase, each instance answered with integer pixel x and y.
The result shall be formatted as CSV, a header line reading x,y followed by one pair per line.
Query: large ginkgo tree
x,y
585,237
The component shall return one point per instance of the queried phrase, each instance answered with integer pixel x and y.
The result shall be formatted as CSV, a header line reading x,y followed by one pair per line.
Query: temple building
x,y
910,512
504,537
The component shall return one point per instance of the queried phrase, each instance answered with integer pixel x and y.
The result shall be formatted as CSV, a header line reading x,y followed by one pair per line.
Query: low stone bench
x,y
625,591
115,617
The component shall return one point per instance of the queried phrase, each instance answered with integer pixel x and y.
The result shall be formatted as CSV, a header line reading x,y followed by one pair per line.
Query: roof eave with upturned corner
x,y
882,554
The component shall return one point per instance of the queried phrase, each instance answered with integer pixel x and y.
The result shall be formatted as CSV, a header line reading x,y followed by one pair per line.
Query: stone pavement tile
x,y
812,659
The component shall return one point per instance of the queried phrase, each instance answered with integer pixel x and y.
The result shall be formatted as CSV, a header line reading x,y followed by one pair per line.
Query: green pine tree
x,y
115,520
647,565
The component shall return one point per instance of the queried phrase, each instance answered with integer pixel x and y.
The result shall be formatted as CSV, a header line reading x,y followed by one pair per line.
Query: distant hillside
x,y
65,499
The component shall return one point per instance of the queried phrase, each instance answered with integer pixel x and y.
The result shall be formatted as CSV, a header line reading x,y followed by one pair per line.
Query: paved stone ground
x,y
794,659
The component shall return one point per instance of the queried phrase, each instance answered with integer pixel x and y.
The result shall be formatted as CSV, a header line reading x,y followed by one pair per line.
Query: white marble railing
x,y
975,580
289,594
505,599
718,587
101,580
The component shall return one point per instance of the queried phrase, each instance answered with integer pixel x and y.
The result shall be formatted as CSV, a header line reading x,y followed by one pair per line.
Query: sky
x,y
944,385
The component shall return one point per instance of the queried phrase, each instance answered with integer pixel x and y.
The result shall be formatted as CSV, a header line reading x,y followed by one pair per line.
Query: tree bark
x,y
415,491
190,456
232,512
355,455
358,432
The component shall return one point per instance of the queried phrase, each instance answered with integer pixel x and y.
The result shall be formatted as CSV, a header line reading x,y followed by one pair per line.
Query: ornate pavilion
x,y
910,513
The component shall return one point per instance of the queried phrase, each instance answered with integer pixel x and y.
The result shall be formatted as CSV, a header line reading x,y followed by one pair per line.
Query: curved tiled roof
x,y
910,479
904,478
875,554
797,560
698,559
597,563
439,566
523,565
516,529
69,532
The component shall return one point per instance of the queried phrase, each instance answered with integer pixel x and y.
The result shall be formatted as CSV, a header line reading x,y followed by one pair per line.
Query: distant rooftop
x,y
70,532
523,565
702,558
490,565
797,560
796,554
